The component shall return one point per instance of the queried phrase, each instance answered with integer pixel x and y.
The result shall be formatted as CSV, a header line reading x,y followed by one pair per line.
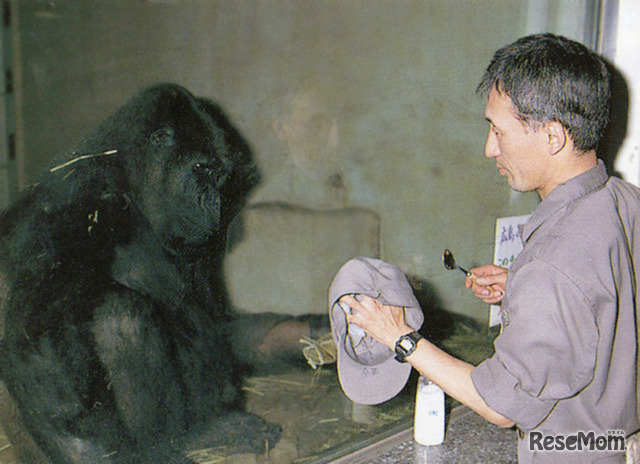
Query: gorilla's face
x,y
182,186
180,163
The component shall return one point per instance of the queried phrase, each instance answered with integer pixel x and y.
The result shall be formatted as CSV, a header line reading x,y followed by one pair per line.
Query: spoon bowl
x,y
450,262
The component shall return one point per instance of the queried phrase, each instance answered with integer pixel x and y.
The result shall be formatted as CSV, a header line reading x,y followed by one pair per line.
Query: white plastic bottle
x,y
429,416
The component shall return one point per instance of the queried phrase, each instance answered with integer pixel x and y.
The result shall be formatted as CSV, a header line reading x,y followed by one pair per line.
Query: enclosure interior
x,y
367,130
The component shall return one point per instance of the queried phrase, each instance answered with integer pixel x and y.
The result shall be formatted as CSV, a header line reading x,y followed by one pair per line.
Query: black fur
x,y
117,339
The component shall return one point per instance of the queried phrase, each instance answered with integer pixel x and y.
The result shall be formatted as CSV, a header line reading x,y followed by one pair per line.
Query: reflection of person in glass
x,y
313,175
566,358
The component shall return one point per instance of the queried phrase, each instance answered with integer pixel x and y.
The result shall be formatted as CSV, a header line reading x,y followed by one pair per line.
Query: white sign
x,y
508,246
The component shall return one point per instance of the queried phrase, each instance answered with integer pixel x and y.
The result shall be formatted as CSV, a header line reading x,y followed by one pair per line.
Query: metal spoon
x,y
450,263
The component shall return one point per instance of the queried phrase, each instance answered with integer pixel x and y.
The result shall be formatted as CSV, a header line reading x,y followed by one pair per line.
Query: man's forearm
x,y
387,324
454,377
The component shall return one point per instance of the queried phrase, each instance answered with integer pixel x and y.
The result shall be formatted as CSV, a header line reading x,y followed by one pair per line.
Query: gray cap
x,y
367,370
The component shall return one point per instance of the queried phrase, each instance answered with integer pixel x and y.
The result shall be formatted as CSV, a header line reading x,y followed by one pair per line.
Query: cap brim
x,y
371,384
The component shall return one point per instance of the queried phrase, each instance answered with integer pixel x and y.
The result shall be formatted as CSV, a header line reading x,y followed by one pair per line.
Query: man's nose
x,y
491,149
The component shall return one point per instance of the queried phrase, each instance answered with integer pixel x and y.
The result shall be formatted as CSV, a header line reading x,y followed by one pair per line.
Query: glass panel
x,y
363,120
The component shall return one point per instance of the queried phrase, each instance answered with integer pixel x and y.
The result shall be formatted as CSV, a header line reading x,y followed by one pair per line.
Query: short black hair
x,y
552,78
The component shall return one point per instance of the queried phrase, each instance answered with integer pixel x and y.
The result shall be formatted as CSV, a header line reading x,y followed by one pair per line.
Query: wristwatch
x,y
406,345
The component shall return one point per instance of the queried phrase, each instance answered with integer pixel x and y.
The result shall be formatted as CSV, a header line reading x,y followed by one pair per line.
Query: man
x,y
564,370
313,174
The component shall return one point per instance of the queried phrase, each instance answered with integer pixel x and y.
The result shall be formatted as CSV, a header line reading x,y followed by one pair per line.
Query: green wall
x,y
395,81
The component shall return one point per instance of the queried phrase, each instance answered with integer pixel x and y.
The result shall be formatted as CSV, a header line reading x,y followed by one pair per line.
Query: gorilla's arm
x,y
135,355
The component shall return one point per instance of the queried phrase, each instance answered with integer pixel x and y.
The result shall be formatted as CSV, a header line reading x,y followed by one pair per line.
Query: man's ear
x,y
556,136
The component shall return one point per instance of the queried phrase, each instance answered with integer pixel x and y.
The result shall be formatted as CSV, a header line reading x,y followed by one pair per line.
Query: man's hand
x,y
488,282
384,323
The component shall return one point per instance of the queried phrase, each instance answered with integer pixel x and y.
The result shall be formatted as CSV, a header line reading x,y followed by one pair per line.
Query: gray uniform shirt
x,y
566,358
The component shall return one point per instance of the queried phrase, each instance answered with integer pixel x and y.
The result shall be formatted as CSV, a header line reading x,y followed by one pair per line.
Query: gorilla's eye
x,y
211,172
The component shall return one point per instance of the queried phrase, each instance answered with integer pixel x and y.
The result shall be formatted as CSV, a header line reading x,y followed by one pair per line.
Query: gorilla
x,y
119,342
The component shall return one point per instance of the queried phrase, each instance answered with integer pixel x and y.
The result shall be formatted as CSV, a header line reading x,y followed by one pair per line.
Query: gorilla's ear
x,y
163,137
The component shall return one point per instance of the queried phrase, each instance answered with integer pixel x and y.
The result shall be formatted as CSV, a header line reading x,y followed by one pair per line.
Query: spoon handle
x,y
463,270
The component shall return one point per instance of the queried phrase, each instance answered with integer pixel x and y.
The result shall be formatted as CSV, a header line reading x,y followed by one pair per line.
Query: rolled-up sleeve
x,y
547,348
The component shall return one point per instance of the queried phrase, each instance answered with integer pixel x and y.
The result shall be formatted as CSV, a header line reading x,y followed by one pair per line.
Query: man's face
x,y
309,130
519,150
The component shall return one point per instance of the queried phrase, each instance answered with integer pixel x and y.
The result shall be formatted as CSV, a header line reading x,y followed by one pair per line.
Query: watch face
x,y
407,344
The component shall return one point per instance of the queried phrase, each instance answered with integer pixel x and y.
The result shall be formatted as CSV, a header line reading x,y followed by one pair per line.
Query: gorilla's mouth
x,y
199,223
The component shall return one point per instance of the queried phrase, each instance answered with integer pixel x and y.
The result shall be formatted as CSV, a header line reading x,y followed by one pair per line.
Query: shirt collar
x,y
565,193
